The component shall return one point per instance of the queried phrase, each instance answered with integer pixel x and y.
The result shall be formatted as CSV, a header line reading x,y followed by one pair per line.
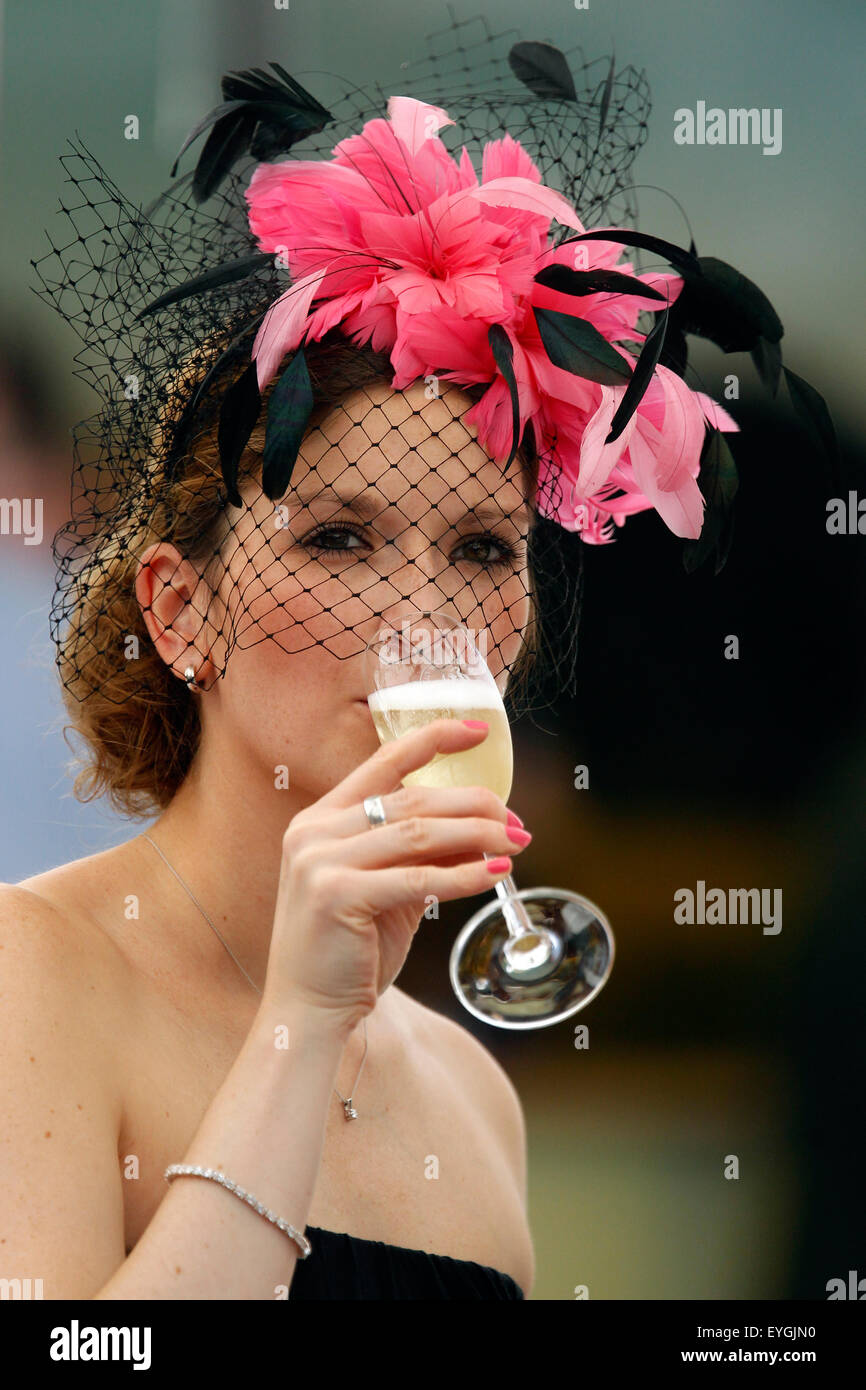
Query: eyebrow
x,y
368,503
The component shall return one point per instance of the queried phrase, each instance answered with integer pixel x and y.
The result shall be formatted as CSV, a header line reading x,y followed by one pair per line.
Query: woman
x,y
174,1056
440,351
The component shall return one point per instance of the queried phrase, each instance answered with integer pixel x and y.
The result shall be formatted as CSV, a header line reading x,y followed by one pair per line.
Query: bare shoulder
x,y
35,922
61,1202
465,1058
51,947
58,981
42,910
76,897
62,977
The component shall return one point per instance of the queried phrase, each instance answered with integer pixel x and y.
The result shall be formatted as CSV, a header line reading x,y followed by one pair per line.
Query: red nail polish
x,y
518,837
476,724
513,819
500,865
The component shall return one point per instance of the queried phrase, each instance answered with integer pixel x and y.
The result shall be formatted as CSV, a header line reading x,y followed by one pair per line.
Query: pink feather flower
x,y
406,249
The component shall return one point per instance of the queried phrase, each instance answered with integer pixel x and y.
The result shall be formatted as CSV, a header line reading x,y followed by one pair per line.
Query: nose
x,y
422,604
415,585
401,620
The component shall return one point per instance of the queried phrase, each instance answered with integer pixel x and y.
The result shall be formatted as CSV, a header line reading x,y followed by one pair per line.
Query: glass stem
x,y
516,918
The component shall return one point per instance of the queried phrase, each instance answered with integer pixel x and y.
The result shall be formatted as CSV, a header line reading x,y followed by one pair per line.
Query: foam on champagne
x,y
437,694
397,709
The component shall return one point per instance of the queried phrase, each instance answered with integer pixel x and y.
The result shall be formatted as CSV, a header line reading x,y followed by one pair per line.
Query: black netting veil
x,y
393,505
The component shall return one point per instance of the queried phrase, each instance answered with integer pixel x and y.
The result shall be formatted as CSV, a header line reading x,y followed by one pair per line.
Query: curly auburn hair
x,y
139,724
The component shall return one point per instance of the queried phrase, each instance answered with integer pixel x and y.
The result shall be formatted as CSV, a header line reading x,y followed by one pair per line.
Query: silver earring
x,y
189,677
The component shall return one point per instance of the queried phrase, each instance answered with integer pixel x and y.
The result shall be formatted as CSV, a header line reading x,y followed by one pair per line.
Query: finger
x,y
376,890
420,840
385,769
402,804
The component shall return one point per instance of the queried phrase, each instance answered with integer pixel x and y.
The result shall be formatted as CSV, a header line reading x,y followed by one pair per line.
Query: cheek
x,y
297,600
265,691
503,613
294,712
509,629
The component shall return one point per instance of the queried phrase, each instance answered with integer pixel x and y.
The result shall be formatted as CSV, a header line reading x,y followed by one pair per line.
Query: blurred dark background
x,y
708,1040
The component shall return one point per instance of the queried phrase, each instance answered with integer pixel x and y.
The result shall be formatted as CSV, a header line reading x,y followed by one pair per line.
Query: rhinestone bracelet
x,y
186,1170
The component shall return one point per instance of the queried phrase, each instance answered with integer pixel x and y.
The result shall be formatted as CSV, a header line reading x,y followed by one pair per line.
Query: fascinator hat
x,y
415,291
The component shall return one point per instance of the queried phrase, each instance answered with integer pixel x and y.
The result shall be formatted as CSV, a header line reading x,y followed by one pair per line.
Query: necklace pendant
x,y
349,1110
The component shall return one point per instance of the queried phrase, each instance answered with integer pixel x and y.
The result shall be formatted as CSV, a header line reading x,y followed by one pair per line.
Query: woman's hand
x,y
351,896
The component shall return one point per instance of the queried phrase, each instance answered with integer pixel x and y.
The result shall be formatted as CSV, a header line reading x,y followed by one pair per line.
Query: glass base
x,y
541,991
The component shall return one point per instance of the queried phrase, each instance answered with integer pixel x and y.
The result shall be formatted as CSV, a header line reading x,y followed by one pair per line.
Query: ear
x,y
164,586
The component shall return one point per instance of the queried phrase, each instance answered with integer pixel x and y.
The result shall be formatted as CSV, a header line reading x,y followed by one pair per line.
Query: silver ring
x,y
375,811
189,677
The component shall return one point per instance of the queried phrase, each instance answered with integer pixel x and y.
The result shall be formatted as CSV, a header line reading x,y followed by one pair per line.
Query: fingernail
x,y
475,724
518,837
499,866
513,819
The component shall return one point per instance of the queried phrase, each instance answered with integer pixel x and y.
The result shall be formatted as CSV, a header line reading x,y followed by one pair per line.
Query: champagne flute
x,y
528,958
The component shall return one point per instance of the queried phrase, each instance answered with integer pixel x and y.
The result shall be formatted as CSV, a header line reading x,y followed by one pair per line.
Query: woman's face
x,y
393,506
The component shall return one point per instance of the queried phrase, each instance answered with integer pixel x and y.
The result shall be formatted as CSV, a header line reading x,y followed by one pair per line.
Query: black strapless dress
x,y
347,1267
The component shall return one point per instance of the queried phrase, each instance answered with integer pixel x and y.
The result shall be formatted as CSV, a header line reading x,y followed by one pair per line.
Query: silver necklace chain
x,y
348,1108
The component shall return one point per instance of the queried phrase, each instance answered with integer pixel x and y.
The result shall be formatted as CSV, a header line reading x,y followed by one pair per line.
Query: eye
x,y
318,540
507,552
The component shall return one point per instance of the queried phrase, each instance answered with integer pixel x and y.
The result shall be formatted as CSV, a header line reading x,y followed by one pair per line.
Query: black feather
x,y
288,413
573,344
190,410
812,410
256,85
225,145
543,69
226,108
503,355
567,281
683,260
238,415
640,378
225,274
277,134
675,354
767,358
718,483
719,303
262,114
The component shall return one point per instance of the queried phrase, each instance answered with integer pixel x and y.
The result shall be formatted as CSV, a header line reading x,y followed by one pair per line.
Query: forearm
x,y
265,1130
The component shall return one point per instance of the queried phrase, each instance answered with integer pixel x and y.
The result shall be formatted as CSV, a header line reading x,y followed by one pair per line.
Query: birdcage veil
x,y
255,379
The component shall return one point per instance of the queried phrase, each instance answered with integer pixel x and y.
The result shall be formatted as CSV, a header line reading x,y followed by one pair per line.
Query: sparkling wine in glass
x,y
528,958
